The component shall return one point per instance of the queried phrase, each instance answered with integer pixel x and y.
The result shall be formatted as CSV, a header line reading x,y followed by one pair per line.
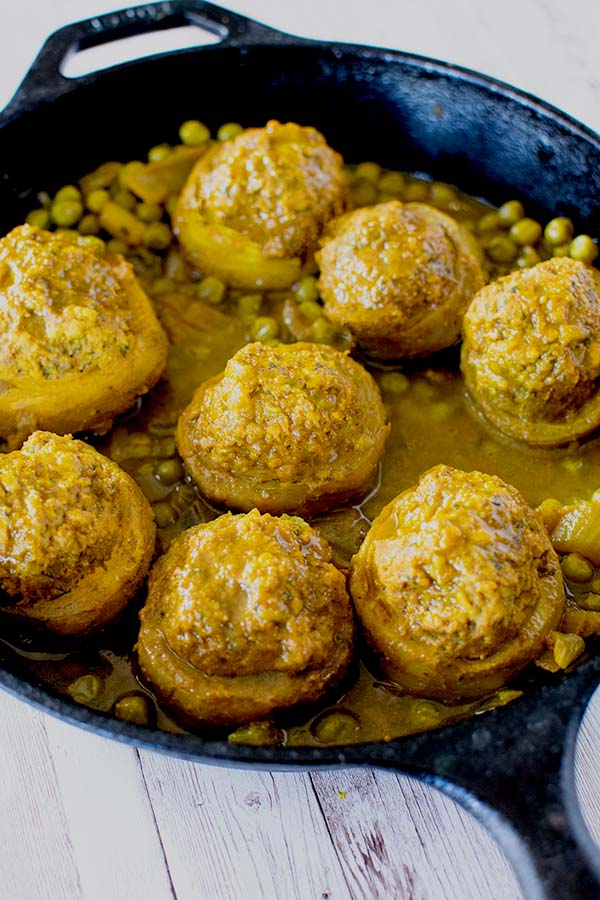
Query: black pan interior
x,y
404,112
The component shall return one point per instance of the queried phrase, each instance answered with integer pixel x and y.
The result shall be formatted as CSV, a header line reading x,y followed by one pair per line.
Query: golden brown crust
x,y
79,338
255,206
76,534
245,615
400,276
457,585
531,352
294,428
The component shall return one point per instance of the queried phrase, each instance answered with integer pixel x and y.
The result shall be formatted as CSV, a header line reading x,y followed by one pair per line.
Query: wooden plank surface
x,y
107,807
399,838
36,852
268,825
82,818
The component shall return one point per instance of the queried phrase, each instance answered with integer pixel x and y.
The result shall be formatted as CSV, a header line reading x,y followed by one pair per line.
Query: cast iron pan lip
x,y
336,49
197,748
185,745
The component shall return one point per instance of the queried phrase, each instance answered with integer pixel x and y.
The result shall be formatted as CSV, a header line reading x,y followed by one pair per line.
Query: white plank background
x,y
82,817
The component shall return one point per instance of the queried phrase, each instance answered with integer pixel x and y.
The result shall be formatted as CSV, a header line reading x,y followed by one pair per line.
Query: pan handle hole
x,y
102,56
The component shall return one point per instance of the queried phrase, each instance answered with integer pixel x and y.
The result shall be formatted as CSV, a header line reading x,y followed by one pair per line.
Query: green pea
x,y
526,231
562,250
489,222
133,708
576,568
249,304
583,249
416,191
149,212
307,289
257,734
85,689
335,727
228,131
126,200
69,192
114,245
394,382
367,171
311,310
392,183
501,249
157,236
96,200
163,514
528,257
264,328
89,224
511,212
169,471
160,151
442,194
193,133
323,331
364,193
558,231
211,290
66,213
38,218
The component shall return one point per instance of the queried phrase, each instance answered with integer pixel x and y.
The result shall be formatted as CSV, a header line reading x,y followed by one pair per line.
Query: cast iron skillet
x,y
513,768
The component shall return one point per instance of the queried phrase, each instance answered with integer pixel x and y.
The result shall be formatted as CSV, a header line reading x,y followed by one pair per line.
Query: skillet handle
x,y
514,770
535,817
45,81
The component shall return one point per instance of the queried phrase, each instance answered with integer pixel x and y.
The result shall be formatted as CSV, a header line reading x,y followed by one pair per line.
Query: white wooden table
x,y
82,817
